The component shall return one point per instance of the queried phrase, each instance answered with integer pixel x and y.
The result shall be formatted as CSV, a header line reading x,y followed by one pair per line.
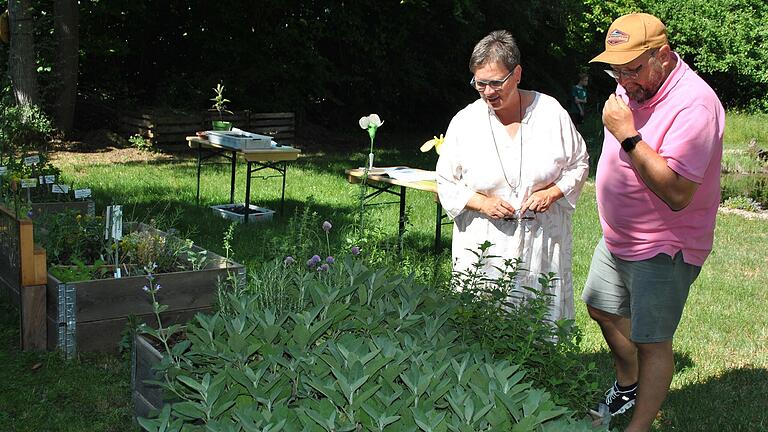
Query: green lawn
x,y
721,347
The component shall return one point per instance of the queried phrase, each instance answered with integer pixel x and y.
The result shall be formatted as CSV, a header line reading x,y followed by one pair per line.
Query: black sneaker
x,y
617,401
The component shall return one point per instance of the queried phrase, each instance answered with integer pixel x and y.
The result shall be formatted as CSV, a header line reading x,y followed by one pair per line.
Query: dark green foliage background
x,y
333,61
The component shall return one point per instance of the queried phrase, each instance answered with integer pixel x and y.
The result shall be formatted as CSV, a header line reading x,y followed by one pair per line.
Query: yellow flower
x,y
434,142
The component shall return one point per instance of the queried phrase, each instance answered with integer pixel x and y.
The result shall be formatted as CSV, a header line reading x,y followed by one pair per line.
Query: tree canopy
x,y
333,61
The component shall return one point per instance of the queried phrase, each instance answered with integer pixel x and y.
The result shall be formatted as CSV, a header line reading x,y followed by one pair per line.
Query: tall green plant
x,y
548,351
23,129
369,350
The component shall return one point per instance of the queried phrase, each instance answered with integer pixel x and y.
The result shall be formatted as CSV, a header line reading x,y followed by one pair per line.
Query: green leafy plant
x,y
741,202
161,333
127,336
219,101
548,351
365,349
23,129
140,143
81,271
69,237
73,239
167,253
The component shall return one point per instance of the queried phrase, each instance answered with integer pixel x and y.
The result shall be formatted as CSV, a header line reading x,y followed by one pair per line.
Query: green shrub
x,y
754,187
492,313
140,143
69,237
742,162
81,271
364,349
741,202
76,242
23,129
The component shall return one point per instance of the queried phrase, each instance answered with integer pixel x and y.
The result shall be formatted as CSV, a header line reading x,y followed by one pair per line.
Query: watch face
x,y
629,143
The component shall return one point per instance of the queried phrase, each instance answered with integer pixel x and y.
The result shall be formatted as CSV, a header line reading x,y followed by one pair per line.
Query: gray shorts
x,y
651,292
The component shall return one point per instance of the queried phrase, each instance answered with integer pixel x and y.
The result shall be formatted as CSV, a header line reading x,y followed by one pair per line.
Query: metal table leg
x,y
199,163
438,226
232,180
282,196
247,192
401,226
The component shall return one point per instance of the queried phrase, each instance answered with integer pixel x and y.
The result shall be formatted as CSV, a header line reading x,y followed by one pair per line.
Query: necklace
x,y
496,146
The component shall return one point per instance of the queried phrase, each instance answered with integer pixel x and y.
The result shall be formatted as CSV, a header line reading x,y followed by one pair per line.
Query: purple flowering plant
x,y
314,261
327,228
161,333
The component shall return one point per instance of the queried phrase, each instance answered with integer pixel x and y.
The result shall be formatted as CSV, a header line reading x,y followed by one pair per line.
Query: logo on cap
x,y
617,37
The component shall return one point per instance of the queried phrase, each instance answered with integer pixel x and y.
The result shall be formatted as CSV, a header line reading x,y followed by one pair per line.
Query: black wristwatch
x,y
629,144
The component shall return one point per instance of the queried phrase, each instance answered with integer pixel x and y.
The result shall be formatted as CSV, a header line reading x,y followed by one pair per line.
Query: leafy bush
x,y
754,187
742,162
81,271
73,239
724,39
741,202
363,349
23,129
516,327
69,237
140,143
166,252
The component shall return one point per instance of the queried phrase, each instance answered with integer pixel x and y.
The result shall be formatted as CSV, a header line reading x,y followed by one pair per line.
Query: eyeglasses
x,y
495,84
629,74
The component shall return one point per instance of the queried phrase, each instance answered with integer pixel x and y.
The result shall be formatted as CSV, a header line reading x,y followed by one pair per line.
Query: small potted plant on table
x,y
220,105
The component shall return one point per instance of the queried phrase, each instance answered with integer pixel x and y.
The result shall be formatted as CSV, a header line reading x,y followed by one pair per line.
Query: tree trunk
x,y
66,29
21,58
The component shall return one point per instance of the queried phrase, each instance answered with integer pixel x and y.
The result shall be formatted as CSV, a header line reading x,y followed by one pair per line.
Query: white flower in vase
x,y
371,123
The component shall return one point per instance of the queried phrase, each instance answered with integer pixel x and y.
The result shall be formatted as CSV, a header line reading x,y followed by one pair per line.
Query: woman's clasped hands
x,y
497,208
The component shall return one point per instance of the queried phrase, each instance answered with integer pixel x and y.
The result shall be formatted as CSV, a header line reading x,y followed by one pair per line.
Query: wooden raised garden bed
x,y
22,277
92,315
146,396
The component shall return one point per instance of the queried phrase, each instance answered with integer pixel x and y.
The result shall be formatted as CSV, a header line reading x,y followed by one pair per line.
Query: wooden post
x,y
33,322
33,281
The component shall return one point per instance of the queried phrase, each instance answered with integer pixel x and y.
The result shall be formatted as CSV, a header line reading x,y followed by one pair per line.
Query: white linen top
x,y
546,149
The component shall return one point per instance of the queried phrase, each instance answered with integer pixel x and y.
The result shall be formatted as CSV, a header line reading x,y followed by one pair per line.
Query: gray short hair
x,y
498,46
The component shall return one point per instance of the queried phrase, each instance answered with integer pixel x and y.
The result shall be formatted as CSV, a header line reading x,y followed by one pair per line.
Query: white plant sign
x,y
60,188
114,227
82,193
32,160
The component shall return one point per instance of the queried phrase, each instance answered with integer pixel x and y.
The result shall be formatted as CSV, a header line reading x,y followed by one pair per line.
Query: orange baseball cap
x,y
630,36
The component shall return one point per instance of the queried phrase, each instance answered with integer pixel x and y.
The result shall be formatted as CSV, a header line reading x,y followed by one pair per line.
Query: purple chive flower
x,y
315,260
323,267
327,226
288,260
330,260
30,214
355,250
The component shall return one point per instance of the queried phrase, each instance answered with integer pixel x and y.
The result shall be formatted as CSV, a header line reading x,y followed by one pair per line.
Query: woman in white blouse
x,y
510,171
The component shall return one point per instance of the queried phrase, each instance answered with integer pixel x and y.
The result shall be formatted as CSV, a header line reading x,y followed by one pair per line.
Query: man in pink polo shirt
x,y
658,189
